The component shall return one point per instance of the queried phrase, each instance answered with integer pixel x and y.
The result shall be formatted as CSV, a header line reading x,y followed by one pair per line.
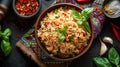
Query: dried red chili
x,y
26,7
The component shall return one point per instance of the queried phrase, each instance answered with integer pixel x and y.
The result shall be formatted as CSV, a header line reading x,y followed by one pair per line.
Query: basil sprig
x,y
102,62
82,18
5,43
62,33
113,56
113,59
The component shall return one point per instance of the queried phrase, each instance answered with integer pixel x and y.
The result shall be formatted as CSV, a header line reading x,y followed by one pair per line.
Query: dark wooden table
x,y
18,59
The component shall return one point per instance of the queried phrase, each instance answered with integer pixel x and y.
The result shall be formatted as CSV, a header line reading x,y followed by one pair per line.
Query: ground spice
x,y
26,7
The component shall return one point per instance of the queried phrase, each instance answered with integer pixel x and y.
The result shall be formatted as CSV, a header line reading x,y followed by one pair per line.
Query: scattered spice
x,y
26,7
112,7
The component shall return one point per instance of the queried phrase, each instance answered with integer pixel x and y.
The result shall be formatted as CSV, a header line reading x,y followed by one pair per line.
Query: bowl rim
x,y
26,17
42,48
110,16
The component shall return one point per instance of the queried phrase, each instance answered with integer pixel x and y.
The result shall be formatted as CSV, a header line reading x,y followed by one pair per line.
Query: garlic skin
x,y
103,49
108,40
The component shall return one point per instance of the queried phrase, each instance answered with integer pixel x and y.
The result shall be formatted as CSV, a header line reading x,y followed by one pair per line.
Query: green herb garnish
x,y
102,62
57,16
71,38
61,37
62,33
58,51
72,31
44,23
5,43
82,18
55,11
113,56
113,59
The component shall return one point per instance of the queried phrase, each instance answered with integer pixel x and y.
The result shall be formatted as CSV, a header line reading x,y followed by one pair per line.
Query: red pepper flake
x,y
47,23
64,14
26,7
84,34
82,48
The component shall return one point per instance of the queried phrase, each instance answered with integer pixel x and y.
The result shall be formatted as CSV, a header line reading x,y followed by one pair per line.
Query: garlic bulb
x,y
103,48
108,40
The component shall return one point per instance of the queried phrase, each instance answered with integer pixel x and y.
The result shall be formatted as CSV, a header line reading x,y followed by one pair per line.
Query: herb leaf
x,y
113,56
58,51
62,33
86,27
79,23
82,18
6,47
76,15
61,37
55,11
63,30
7,32
26,35
86,12
102,62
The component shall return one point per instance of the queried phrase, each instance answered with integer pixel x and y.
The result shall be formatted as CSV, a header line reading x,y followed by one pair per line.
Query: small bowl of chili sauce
x,y
26,9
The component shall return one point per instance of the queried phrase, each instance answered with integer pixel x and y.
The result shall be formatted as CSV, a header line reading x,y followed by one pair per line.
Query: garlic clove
x,y
103,48
108,40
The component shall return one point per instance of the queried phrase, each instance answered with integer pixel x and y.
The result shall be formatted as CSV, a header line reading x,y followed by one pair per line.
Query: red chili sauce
x,y
26,7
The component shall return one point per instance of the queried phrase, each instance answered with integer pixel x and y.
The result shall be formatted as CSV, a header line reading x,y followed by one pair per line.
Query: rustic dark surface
x,y
18,59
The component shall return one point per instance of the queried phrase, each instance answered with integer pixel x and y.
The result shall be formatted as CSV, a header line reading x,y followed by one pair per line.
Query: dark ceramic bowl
x,y
29,17
37,26
108,2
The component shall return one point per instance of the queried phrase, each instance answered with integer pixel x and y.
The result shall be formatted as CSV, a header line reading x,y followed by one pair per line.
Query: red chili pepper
x,y
115,28
84,1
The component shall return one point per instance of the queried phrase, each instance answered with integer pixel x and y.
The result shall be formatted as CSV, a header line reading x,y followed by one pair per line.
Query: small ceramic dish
x,y
42,45
111,8
26,9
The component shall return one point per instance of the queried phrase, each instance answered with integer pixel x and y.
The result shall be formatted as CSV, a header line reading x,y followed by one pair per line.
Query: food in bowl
x,y
112,7
26,7
64,32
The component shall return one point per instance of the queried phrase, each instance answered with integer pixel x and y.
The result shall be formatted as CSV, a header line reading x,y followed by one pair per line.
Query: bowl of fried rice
x,y
63,33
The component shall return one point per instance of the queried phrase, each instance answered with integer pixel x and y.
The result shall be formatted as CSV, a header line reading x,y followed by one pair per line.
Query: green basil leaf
x,y
63,30
61,37
76,15
26,35
58,51
6,48
7,32
44,23
1,33
102,62
86,12
118,66
72,31
86,27
113,56
71,38
55,11
79,23
0,28
6,38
